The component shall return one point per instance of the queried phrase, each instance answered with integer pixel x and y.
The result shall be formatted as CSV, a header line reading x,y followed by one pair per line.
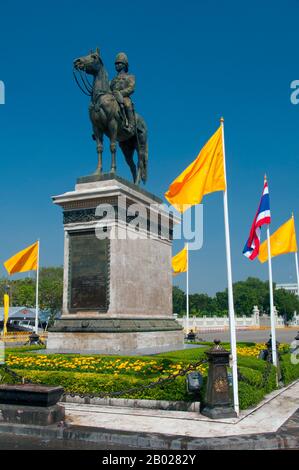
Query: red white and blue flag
x,y
262,217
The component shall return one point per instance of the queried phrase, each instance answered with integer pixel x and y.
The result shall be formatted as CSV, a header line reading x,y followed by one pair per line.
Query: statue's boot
x,y
130,124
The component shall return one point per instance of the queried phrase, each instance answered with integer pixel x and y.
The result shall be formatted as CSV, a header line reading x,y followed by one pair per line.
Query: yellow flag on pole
x,y
180,262
282,241
25,260
203,176
6,312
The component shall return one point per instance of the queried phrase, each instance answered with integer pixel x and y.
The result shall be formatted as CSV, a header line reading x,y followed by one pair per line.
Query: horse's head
x,y
89,63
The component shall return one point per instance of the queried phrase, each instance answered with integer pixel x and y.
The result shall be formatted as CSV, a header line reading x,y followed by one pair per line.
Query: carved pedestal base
x,y
117,269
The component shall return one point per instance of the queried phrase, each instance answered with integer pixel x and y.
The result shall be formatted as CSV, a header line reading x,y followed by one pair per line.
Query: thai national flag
x,y
262,217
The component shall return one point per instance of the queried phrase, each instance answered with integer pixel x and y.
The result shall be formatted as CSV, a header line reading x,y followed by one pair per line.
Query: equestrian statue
x,y
112,113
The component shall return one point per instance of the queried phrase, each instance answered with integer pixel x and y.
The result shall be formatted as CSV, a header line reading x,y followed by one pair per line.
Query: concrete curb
x,y
133,440
131,403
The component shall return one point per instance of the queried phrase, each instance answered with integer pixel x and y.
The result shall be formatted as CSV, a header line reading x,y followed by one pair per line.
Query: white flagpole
x,y
36,291
187,290
297,271
232,324
296,263
272,316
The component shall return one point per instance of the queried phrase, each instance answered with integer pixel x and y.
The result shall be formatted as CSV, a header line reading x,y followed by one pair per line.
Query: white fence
x,y
295,321
222,323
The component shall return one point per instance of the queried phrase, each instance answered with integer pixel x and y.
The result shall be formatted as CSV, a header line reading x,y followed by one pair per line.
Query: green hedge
x,y
6,378
251,391
249,396
264,380
251,363
89,383
289,371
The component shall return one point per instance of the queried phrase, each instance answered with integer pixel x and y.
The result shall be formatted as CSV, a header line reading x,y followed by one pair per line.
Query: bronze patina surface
x,y
112,112
88,272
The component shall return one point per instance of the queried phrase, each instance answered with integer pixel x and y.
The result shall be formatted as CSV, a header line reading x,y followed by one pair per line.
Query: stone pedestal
x,y
37,415
30,404
117,269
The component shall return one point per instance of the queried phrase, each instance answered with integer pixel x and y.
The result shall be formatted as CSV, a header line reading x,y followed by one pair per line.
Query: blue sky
x,y
194,61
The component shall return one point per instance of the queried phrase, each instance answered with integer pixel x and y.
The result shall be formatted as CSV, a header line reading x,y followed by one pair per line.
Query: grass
x,y
21,349
102,373
194,354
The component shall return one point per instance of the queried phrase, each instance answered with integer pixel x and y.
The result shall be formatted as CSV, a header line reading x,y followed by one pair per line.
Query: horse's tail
x,y
142,148
143,161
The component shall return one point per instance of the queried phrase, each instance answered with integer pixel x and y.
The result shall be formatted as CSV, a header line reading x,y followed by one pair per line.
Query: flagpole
x,y
297,271
272,316
296,262
36,291
232,324
187,290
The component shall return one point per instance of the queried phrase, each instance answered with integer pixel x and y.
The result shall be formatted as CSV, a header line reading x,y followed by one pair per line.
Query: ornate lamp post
x,y
218,395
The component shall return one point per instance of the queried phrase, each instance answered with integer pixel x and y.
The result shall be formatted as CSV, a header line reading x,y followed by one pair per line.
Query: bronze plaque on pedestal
x,y
88,272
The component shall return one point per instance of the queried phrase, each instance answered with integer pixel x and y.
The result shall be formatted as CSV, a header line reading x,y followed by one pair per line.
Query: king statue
x,y
112,112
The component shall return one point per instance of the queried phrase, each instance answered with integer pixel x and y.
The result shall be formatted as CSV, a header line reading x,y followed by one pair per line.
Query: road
x,y
283,335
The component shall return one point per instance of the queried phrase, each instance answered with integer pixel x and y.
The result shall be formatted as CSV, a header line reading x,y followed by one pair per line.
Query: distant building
x,y
293,288
20,318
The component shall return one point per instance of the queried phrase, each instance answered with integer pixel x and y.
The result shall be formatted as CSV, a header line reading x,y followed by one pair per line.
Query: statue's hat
x,y
122,57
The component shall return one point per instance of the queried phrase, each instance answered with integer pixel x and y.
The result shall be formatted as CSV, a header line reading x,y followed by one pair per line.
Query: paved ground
x,y
140,352
274,424
15,442
284,335
286,437
268,417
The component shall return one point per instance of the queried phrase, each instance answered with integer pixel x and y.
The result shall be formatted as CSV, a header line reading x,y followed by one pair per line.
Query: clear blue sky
x,y
194,61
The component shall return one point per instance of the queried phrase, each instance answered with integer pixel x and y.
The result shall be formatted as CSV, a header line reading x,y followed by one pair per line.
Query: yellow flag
x,y
6,311
179,262
203,176
282,241
25,260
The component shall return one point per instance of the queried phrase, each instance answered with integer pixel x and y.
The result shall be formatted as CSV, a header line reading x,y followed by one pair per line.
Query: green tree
x,y
22,291
286,303
51,290
201,302
178,301
247,293
221,300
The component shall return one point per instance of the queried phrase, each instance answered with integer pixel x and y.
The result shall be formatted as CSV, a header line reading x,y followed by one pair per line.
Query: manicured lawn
x,y
103,374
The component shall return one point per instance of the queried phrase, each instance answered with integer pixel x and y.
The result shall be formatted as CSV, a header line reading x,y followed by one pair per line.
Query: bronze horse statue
x,y
107,118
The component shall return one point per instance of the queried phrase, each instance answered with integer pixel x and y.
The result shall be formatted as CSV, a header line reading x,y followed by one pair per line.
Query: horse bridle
x,y
87,85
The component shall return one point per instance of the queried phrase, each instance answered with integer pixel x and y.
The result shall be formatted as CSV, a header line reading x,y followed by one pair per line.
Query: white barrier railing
x,y
222,323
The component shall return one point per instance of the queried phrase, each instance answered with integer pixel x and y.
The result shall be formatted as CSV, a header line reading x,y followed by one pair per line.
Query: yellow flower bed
x,y
254,351
84,364
96,364
115,366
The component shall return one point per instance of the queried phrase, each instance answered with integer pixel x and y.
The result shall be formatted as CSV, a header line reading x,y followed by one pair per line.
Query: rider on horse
x,y
122,86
